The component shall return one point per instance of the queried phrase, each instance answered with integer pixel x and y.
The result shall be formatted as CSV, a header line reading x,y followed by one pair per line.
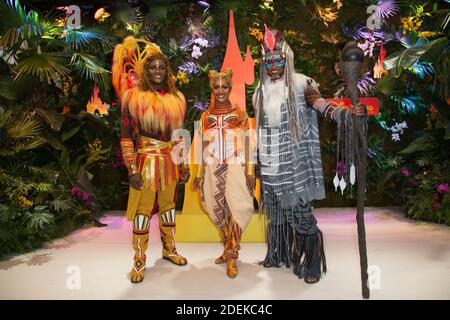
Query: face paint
x,y
221,90
157,71
275,64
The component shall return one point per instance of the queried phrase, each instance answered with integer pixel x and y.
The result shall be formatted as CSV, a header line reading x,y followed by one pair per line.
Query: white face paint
x,y
274,96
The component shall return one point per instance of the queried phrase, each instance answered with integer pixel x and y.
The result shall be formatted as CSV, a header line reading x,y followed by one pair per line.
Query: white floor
x,y
411,260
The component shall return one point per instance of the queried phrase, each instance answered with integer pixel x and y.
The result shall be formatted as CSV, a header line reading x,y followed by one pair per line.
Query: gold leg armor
x,y
234,239
140,244
167,229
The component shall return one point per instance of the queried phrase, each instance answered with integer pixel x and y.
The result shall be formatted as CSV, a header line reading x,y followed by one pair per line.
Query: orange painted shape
x,y
243,70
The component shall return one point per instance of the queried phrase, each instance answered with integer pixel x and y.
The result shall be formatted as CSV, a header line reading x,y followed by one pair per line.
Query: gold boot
x,y
224,236
167,229
140,245
234,238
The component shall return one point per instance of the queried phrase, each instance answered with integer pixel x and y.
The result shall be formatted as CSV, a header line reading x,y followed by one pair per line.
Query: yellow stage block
x,y
194,224
199,228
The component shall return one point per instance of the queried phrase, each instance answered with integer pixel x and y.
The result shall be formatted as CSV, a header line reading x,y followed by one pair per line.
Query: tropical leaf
x,y
24,128
69,134
61,205
4,118
18,25
121,11
43,187
404,59
48,66
89,39
422,143
8,89
51,117
29,145
40,218
53,141
88,67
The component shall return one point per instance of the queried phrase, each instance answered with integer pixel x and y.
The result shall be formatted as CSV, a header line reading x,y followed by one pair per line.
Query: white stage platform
x,y
413,260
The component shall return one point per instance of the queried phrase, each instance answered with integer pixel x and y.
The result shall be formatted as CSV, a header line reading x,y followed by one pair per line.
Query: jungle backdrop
x,y
60,162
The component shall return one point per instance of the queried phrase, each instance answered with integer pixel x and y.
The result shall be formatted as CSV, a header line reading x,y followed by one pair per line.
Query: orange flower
x,y
66,109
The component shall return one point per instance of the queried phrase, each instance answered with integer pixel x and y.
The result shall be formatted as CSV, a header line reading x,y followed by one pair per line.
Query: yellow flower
x,y
411,23
428,34
338,4
181,78
256,33
24,201
326,14
95,152
290,33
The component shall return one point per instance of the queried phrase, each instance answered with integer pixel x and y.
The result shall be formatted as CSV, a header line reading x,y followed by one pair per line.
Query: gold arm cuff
x,y
132,169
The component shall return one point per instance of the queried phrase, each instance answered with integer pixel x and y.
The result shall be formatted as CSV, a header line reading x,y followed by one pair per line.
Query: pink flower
x,y
443,188
85,196
406,172
74,190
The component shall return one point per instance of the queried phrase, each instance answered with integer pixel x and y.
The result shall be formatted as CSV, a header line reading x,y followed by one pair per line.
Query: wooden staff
x,y
352,58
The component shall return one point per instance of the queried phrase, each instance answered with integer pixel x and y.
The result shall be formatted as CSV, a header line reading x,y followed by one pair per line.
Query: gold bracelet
x,y
132,170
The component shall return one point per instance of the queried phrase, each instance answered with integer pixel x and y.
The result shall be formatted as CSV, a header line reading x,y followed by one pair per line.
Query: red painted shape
x,y
373,104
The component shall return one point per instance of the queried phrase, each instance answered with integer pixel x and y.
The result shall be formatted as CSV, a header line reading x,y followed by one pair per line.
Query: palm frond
x,y
123,13
48,66
29,145
14,15
22,30
87,66
93,39
24,128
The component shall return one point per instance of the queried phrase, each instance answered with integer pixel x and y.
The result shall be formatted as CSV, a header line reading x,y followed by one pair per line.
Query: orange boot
x,y
234,239
224,236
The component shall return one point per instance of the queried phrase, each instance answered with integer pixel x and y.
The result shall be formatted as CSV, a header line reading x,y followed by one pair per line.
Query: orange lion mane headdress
x,y
130,81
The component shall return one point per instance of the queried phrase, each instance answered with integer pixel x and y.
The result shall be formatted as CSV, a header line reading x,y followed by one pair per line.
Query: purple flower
x,y
214,41
203,4
443,188
387,8
189,67
366,85
406,172
200,106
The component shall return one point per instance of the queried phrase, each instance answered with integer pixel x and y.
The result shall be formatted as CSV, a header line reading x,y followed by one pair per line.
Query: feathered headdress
x,y
271,39
274,40
129,60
